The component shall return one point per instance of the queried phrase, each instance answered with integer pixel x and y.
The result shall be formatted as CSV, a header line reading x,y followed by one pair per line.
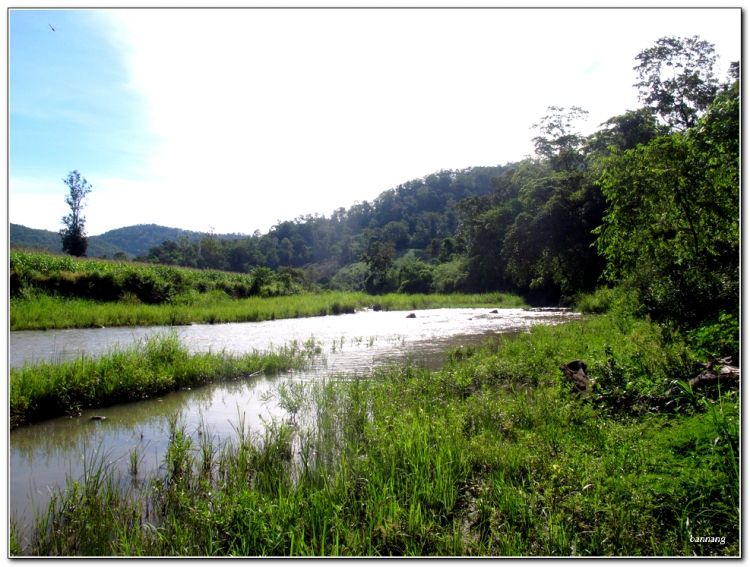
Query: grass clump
x,y
155,366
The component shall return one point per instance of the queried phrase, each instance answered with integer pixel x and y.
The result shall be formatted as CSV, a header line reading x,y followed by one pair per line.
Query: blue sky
x,y
71,106
235,119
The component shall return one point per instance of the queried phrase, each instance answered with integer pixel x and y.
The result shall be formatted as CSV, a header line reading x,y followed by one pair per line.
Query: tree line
x,y
415,215
649,201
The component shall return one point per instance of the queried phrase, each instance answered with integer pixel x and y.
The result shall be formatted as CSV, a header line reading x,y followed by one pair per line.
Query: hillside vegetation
x,y
137,239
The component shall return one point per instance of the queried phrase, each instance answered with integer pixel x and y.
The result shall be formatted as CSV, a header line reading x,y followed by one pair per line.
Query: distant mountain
x,y
24,237
137,239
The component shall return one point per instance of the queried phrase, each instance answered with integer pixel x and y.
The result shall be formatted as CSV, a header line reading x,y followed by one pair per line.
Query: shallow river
x,y
41,455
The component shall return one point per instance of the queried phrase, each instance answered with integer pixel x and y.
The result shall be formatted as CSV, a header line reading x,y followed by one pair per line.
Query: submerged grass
x,y
492,455
48,312
157,365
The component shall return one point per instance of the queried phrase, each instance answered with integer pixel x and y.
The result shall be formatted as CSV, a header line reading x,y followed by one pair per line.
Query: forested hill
x,y
419,214
137,239
133,240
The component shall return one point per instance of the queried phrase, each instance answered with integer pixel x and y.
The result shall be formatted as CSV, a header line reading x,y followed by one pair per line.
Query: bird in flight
x,y
50,26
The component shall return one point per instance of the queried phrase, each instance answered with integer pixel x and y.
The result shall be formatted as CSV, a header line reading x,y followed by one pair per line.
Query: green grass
x,y
492,455
159,364
46,312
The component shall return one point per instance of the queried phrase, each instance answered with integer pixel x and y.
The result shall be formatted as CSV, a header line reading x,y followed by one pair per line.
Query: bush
x,y
350,278
717,338
450,277
415,277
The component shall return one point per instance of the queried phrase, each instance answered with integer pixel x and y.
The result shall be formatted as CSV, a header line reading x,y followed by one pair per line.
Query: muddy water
x,y
43,454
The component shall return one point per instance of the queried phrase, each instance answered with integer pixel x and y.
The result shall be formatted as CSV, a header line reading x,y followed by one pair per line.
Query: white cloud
x,y
268,114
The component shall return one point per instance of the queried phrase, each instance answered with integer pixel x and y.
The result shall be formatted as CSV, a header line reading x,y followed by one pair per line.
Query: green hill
x,y
137,239
38,239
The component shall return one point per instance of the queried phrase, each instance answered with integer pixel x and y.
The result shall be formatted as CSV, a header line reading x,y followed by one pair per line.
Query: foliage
x,y
138,239
623,132
557,142
32,272
673,220
74,240
350,278
450,277
415,277
378,262
718,338
677,79
533,235
22,237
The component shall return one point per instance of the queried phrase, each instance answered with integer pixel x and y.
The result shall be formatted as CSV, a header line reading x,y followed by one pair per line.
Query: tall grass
x,y
47,312
45,272
492,455
155,366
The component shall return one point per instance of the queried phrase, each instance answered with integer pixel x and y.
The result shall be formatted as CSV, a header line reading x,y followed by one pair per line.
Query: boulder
x,y
575,372
411,316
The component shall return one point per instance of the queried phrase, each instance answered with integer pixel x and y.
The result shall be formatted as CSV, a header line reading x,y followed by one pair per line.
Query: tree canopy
x,y
677,79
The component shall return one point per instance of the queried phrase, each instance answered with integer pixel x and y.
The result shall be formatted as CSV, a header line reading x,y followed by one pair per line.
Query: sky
x,y
234,119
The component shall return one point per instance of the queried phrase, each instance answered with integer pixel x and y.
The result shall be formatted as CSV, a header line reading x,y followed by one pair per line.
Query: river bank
x,y
42,312
492,455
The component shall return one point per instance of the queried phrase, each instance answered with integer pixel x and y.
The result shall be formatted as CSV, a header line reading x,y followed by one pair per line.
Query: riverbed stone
x,y
575,372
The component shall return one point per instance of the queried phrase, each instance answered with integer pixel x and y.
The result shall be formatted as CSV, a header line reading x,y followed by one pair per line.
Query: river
x,y
43,454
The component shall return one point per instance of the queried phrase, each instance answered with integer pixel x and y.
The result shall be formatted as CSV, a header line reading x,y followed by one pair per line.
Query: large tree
x,y
74,240
676,78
